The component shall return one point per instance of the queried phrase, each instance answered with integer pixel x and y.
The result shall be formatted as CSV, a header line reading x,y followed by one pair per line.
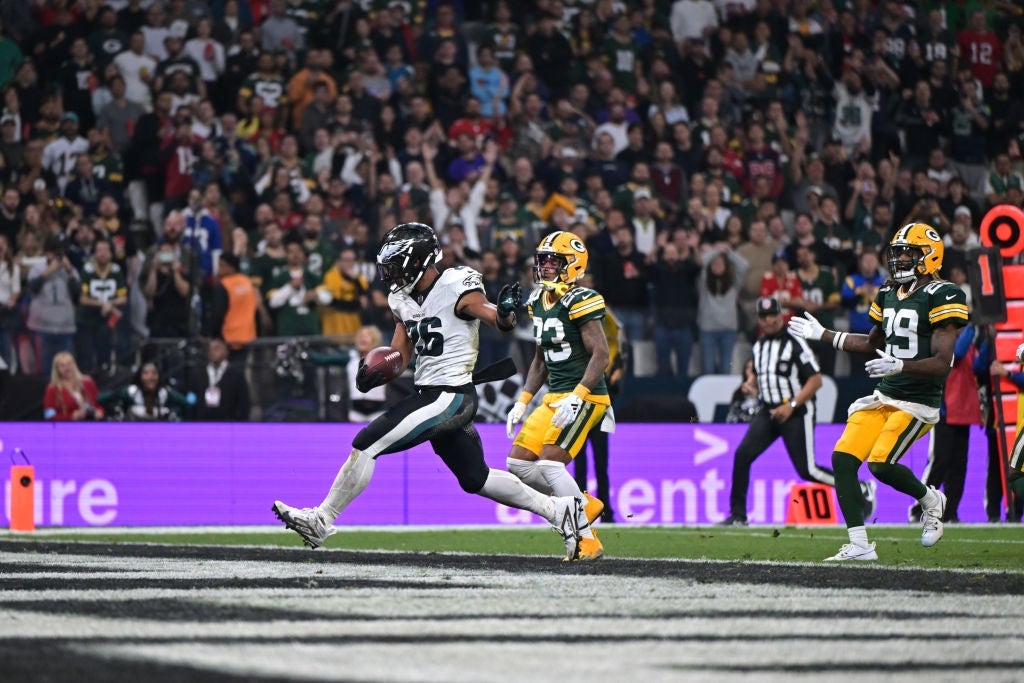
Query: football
x,y
385,360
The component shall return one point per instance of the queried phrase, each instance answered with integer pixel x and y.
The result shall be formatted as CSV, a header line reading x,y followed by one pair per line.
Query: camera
x,y
165,257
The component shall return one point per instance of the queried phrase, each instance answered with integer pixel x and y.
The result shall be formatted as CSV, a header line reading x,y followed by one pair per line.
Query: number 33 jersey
x,y
908,322
556,328
445,345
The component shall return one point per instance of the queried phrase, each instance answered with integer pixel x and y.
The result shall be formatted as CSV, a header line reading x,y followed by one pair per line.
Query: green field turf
x,y
982,547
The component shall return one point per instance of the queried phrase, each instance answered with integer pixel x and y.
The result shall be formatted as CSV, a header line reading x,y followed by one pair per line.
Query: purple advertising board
x,y
229,474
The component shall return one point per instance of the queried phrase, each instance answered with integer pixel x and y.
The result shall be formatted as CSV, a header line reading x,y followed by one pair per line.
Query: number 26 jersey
x,y
557,331
445,345
908,323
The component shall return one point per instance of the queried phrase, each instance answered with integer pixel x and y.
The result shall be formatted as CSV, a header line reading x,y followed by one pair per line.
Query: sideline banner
x,y
103,474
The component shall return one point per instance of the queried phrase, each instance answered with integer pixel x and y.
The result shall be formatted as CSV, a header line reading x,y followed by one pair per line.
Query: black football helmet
x,y
405,254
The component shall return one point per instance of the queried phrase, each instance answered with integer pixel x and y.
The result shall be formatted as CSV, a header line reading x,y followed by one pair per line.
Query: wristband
x,y
581,391
524,397
839,339
507,328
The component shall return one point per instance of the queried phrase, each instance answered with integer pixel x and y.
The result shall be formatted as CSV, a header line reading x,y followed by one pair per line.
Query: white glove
x,y
514,416
1020,353
807,327
883,366
568,408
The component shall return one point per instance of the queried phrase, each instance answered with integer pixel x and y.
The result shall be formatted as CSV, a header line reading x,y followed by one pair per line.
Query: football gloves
x,y
883,366
567,410
515,415
1020,353
807,327
366,380
510,298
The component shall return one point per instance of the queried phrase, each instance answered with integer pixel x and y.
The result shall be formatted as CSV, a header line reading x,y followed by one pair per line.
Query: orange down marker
x,y
811,504
23,483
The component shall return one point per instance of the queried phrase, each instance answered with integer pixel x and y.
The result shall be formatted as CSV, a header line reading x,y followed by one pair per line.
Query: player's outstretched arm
x,y
475,305
810,329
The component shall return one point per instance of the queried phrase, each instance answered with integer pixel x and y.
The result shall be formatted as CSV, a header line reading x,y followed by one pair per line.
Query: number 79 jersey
x,y
557,331
908,323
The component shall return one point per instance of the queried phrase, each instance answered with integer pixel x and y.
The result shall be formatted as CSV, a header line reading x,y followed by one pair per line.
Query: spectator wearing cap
x,y
782,284
646,225
510,222
808,179
179,62
59,156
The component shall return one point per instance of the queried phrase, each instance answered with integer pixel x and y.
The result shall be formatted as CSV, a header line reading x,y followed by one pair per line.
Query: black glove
x,y
509,299
366,380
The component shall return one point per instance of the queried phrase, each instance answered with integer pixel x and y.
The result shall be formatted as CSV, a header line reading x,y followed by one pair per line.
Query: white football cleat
x,y
305,522
931,520
568,513
852,551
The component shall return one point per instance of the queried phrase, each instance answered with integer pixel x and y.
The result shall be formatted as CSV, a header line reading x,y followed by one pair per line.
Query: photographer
x,y
168,290
54,288
70,395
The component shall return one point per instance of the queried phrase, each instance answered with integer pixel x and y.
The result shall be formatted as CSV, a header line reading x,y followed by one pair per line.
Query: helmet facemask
x,y
906,262
543,261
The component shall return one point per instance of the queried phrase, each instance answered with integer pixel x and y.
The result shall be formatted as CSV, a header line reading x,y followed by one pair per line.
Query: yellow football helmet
x,y
923,244
570,252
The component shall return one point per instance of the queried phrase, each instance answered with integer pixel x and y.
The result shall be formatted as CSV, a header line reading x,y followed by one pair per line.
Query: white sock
x,y
352,478
929,499
858,536
527,471
562,484
507,489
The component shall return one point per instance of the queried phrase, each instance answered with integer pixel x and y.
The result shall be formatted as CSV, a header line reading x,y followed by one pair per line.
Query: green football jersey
x,y
557,331
908,324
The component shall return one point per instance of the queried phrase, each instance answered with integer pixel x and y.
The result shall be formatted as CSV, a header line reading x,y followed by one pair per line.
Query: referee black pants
x,y
798,436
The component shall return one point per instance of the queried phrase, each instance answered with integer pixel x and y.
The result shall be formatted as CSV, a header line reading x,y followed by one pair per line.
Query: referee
x,y
788,376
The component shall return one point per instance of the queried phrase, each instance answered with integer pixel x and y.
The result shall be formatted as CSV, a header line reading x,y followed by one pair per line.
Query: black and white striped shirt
x,y
783,363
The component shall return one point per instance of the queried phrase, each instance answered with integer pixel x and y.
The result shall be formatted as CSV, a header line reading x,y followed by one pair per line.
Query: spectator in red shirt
x,y
981,48
70,394
781,283
472,123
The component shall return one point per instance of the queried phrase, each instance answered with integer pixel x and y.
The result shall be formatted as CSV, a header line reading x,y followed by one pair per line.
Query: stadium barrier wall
x,y
184,474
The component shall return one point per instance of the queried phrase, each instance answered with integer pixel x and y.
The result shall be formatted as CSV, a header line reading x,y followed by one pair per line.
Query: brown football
x,y
385,360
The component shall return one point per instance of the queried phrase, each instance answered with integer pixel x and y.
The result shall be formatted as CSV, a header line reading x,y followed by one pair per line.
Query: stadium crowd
x,y
178,168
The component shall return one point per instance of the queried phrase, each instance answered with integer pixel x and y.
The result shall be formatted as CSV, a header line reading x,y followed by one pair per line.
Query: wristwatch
x,y
793,404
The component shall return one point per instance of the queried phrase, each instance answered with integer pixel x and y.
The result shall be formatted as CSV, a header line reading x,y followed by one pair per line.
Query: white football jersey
x,y
445,346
